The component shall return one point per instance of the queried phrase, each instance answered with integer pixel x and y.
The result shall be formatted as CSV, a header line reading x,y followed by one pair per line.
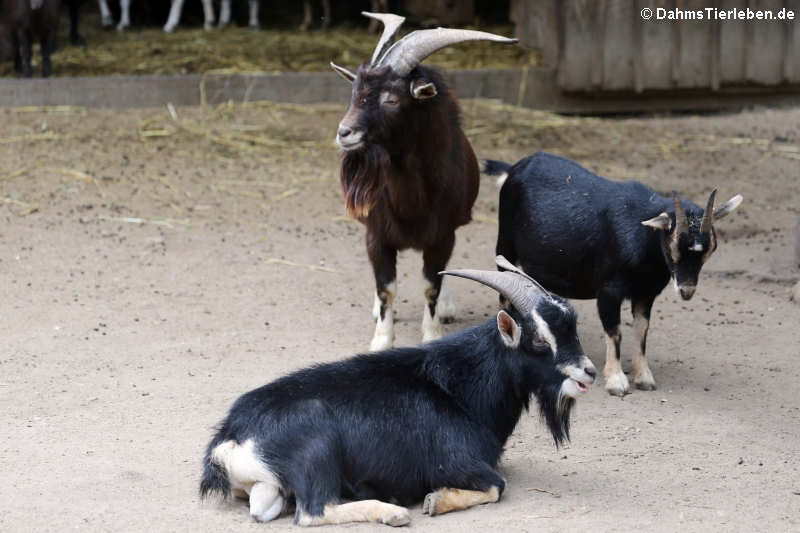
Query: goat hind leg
x,y
434,261
266,502
608,305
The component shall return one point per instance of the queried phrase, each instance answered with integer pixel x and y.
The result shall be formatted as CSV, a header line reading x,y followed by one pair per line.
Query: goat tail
x,y
495,169
215,479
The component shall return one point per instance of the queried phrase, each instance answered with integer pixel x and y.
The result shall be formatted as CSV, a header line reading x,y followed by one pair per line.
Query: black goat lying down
x,y
586,237
406,424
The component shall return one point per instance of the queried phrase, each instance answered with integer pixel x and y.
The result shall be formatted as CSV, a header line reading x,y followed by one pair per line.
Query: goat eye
x,y
540,342
390,102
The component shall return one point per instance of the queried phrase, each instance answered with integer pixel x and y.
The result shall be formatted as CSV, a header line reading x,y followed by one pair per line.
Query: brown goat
x,y
408,172
22,20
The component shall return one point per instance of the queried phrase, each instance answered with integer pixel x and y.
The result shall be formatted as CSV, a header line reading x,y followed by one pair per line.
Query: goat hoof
x,y
431,501
397,517
380,342
617,385
645,385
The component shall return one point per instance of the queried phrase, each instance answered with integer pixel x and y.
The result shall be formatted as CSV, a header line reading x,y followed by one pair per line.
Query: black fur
x,y
581,236
399,424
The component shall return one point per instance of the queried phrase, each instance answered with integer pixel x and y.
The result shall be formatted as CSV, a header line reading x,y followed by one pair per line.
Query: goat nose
x,y
590,370
344,131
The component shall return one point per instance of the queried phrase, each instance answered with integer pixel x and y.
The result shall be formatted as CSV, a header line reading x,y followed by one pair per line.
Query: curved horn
x,y
411,50
681,220
708,215
391,23
343,72
520,289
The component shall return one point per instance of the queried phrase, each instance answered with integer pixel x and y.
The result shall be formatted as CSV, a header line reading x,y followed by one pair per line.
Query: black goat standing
x,y
586,237
406,424
408,172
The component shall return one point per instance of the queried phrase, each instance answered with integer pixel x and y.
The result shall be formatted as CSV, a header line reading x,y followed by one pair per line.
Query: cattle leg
x,y
608,304
105,14
642,376
124,14
254,23
16,45
384,266
435,260
174,16
306,15
224,13
326,14
26,52
48,44
208,13
74,17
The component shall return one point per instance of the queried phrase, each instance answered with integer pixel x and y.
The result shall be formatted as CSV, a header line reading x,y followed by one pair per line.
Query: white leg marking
x,y
266,502
431,326
125,14
174,16
642,376
244,468
445,308
361,511
254,14
208,12
105,14
224,13
384,328
616,381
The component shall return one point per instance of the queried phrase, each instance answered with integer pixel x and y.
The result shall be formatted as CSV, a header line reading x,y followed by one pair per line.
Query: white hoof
x,y
431,327
617,384
169,29
445,307
380,342
396,516
644,379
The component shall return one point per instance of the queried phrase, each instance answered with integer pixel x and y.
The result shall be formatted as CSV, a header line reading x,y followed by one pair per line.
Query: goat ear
x,y
423,89
662,222
728,207
343,72
509,330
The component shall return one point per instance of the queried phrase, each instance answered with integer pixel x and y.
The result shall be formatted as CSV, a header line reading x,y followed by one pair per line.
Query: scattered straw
x,y
275,260
553,494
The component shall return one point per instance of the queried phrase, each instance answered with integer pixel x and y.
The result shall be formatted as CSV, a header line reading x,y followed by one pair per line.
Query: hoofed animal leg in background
x,y
105,14
642,376
435,260
384,266
74,18
254,23
47,43
25,40
608,305
224,13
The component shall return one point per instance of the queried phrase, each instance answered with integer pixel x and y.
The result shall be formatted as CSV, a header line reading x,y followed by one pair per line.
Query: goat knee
x,y
266,503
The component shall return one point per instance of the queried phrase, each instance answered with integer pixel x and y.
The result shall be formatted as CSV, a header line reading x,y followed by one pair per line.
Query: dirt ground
x,y
154,269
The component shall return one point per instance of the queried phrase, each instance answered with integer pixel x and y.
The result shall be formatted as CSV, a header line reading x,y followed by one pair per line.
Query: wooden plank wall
x,y
605,45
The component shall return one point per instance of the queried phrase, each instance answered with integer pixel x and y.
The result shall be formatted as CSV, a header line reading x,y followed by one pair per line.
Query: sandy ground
x,y
141,296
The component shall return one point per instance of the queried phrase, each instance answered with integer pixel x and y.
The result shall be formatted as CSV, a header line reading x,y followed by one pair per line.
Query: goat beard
x,y
362,177
555,410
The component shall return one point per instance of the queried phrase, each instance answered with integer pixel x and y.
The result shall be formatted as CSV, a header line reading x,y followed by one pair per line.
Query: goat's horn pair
x,y
404,55
521,290
708,215
681,220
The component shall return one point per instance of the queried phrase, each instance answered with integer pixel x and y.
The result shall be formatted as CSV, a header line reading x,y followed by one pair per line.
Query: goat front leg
x,y
608,305
435,260
208,13
642,376
362,511
384,266
486,480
